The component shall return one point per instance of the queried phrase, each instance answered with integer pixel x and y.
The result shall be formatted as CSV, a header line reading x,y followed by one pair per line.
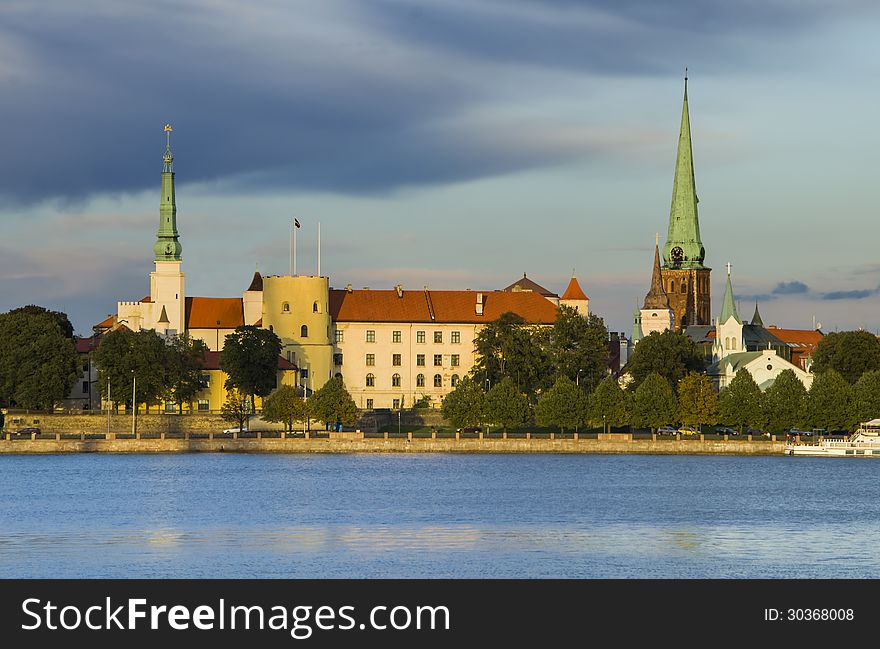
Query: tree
x,y
670,354
59,317
867,396
741,403
608,404
183,368
124,355
506,405
578,347
236,408
831,402
697,401
465,405
332,403
508,347
564,405
850,353
654,402
785,402
250,361
38,363
284,405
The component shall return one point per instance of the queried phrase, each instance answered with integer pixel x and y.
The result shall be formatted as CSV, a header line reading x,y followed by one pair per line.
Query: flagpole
x,y
294,247
319,248
290,252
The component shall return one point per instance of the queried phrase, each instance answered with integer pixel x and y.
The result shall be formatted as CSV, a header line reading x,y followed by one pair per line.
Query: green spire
x,y
683,248
756,319
167,246
728,307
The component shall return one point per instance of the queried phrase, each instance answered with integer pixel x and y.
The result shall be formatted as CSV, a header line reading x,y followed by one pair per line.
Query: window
x,y
455,380
395,360
285,307
438,381
733,343
337,359
340,336
85,387
438,360
420,380
371,380
315,308
395,381
456,337
420,360
420,336
85,366
205,381
684,287
672,286
371,360
395,336
454,360
727,343
438,337
304,374
170,406
396,404
304,332
204,404
369,404
371,335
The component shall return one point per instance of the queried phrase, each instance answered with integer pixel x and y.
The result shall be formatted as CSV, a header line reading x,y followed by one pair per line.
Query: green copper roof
x,y
167,246
728,307
683,248
756,319
638,334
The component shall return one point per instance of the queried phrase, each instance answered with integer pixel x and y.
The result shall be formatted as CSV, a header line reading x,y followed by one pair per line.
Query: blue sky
x,y
447,143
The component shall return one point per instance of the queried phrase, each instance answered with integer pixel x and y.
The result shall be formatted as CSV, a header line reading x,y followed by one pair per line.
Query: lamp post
x,y
398,422
109,404
603,424
133,403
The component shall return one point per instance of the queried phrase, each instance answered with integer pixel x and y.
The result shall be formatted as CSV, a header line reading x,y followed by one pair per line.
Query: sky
x,y
444,143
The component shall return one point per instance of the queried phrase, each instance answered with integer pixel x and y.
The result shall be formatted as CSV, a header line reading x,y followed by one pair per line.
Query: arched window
x,y
395,381
733,344
438,381
455,380
315,308
304,332
285,307
671,285
420,380
727,343
371,380
684,287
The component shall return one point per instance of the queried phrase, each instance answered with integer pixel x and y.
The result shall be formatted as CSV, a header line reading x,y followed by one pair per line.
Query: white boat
x,y
865,442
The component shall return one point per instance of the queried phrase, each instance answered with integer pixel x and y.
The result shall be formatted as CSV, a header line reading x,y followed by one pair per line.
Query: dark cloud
x,y
339,95
791,288
851,295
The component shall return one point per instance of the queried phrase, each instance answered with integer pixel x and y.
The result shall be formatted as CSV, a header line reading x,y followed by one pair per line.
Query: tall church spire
x,y
167,246
656,297
683,248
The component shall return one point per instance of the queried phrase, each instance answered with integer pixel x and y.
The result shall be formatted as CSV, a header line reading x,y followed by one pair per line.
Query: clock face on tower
x,y
677,254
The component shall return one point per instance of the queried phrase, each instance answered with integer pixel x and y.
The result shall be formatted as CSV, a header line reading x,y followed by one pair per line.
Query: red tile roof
x,y
107,322
85,345
804,338
206,312
525,284
211,361
574,291
446,306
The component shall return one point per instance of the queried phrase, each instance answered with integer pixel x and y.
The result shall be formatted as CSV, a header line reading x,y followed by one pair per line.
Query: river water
x,y
443,515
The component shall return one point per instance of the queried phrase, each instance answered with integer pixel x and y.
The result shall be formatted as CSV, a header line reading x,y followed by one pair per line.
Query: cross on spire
x,y
729,266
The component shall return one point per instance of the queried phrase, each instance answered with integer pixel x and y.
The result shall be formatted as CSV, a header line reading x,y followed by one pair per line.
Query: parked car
x,y
26,431
688,430
470,429
726,430
667,430
757,432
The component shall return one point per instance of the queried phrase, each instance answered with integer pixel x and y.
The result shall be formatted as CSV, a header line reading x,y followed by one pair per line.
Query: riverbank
x,y
359,443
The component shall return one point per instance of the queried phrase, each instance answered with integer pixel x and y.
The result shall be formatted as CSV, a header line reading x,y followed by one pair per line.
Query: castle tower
x,y
656,313
575,297
167,281
685,278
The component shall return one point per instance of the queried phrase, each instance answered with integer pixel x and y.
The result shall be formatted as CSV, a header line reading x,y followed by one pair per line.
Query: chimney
x,y
479,305
399,289
348,288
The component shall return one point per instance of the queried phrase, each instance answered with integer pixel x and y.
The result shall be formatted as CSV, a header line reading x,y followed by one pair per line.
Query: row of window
x,y
285,308
171,406
397,336
420,381
397,360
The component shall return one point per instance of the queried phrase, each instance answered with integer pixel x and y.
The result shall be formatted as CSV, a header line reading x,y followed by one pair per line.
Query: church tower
x,y
685,278
166,282
656,314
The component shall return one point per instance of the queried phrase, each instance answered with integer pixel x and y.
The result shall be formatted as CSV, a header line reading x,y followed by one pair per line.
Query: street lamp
x,y
133,403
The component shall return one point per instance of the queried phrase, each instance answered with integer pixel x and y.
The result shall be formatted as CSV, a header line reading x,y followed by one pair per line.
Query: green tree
x,y
867,396
236,408
508,347
506,405
850,353
250,361
563,405
697,400
785,402
741,403
579,347
654,403
831,402
284,405
124,355
332,403
670,354
38,363
185,358
58,316
465,405
608,404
